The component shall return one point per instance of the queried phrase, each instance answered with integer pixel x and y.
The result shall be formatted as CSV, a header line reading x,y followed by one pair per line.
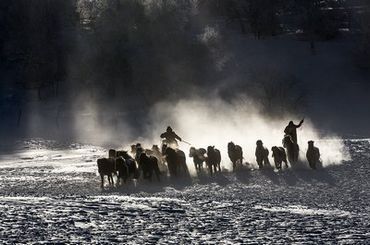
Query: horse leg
x,y
259,162
127,174
145,174
296,153
102,180
210,169
158,173
266,161
110,178
118,180
290,156
170,169
312,164
150,175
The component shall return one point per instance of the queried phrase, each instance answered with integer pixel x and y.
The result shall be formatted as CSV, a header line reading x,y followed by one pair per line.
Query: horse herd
x,y
153,163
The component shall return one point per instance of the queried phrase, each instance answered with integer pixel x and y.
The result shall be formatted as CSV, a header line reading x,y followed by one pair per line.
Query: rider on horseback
x,y
291,130
170,138
290,141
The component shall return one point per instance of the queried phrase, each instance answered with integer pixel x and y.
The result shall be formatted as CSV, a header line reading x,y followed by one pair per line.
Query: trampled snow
x,y
51,193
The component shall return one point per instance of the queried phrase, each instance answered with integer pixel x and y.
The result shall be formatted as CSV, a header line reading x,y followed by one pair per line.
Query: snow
x,y
51,194
298,209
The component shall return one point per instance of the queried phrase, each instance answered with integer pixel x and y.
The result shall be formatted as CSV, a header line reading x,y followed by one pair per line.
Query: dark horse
x,y
262,155
213,160
122,170
149,165
176,162
313,155
106,166
279,155
198,156
235,153
292,149
130,163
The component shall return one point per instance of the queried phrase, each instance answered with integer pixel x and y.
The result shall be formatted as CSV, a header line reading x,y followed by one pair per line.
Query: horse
x,y
154,151
176,161
106,166
213,160
122,169
235,153
262,155
279,155
130,163
292,149
112,153
138,150
149,165
312,155
198,156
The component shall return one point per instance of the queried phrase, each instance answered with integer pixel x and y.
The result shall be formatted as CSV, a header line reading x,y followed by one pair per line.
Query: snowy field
x,y
50,193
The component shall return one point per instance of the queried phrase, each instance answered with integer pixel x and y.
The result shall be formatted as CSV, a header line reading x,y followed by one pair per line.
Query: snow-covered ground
x,y
50,192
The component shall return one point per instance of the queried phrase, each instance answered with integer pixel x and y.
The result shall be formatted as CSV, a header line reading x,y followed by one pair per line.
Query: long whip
x,y
185,142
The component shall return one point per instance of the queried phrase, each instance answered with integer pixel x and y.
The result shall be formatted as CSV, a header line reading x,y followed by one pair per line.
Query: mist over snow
x,y
81,77
205,121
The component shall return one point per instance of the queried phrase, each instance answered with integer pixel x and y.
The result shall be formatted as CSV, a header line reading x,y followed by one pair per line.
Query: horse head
x,y
287,141
192,151
231,145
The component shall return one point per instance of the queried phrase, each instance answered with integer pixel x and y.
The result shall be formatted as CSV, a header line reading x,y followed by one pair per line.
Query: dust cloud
x,y
203,122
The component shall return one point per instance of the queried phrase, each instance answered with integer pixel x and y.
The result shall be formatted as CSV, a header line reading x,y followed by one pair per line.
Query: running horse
x,y
292,149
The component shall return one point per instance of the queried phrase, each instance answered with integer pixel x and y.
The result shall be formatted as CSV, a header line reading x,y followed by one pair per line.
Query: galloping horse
x,y
149,166
279,155
176,161
235,153
198,156
213,160
292,149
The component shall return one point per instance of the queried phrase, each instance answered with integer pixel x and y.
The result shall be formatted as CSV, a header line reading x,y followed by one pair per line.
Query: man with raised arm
x,y
291,130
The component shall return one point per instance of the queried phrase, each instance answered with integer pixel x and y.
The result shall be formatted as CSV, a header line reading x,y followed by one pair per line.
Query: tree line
x,y
106,48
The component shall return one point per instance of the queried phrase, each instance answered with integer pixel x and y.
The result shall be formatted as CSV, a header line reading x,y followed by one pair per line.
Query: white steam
x,y
203,122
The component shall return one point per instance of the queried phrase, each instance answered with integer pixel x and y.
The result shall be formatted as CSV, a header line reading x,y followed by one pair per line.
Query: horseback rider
x,y
170,137
291,130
